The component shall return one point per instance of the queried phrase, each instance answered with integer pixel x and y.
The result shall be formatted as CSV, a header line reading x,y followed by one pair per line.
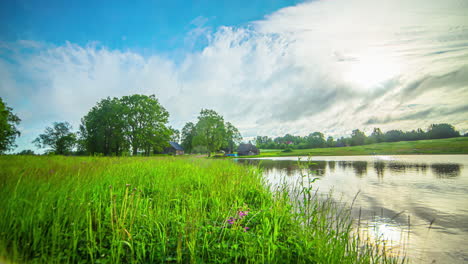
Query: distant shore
x,y
458,145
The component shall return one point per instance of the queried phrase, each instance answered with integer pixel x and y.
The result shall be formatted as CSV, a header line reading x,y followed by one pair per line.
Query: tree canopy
x,y
58,138
188,132
210,134
118,125
209,130
8,130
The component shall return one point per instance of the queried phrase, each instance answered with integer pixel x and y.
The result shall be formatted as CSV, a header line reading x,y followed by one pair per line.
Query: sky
x,y
270,67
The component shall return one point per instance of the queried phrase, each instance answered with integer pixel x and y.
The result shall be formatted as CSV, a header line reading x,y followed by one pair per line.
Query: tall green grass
x,y
164,210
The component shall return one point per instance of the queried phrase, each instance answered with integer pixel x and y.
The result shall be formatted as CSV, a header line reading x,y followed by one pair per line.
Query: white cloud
x,y
319,66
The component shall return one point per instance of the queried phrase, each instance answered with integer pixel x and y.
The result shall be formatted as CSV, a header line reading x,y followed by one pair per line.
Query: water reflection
x,y
413,202
360,168
442,170
320,167
379,167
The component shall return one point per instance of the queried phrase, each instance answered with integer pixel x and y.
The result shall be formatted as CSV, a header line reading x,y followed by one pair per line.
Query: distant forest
x,y
138,125
358,138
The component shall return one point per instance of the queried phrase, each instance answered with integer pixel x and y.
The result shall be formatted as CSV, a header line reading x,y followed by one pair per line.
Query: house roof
x,y
246,147
175,145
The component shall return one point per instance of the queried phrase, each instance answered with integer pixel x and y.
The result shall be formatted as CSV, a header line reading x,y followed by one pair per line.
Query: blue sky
x,y
269,67
143,26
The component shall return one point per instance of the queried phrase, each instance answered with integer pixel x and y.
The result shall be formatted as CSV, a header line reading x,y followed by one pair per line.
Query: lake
x,y
416,203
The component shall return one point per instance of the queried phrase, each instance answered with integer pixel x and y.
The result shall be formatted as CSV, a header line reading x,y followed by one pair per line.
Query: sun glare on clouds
x,y
369,71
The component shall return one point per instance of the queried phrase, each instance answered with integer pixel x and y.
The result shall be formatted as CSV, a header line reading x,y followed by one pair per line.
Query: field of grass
x,y
164,210
435,146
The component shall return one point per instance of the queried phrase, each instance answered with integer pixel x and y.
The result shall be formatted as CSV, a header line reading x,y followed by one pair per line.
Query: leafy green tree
x,y
442,131
330,142
357,138
233,137
58,138
187,135
8,130
377,136
102,129
210,131
316,140
145,123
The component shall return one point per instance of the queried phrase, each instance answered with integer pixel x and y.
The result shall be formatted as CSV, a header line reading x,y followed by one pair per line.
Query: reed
x,y
164,209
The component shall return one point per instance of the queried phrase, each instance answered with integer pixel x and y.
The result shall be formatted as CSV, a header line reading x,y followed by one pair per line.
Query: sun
x,y
370,71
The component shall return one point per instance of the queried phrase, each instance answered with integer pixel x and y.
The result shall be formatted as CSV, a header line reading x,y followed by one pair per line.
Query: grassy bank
x,y
435,146
163,210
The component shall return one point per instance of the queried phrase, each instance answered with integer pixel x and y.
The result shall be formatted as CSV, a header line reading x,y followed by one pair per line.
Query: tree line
x,y
136,124
357,138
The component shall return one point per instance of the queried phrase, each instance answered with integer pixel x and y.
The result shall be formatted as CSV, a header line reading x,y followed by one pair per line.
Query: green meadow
x,y
166,210
457,145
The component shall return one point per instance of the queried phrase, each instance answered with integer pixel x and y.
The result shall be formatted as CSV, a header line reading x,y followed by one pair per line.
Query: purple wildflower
x,y
231,220
246,228
243,213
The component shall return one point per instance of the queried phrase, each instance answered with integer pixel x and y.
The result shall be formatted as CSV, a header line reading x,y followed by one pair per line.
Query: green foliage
x,y
316,140
175,135
377,136
232,137
136,122
102,129
211,132
145,123
458,145
442,131
58,138
158,210
8,130
187,135
358,138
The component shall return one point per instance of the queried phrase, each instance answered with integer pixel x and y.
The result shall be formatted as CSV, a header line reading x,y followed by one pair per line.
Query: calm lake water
x,y
416,203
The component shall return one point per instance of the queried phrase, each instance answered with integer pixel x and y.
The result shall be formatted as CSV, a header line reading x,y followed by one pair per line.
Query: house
x,y
247,150
174,149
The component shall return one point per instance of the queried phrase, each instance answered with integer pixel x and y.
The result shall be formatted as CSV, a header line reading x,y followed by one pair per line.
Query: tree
x,y
393,136
377,136
175,135
330,142
442,131
209,131
316,140
8,130
232,138
357,138
187,135
145,123
264,142
102,129
59,138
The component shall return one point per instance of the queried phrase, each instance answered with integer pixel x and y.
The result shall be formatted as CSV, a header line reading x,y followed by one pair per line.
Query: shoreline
x,y
449,146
